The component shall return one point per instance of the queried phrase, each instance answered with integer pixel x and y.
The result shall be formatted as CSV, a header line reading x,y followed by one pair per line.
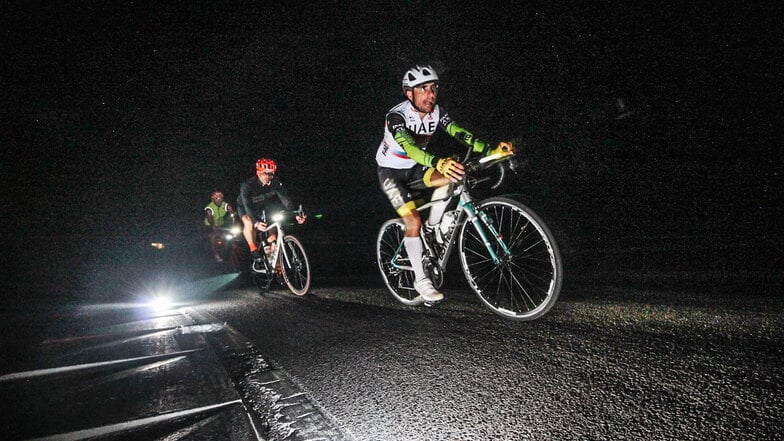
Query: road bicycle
x,y
508,255
287,263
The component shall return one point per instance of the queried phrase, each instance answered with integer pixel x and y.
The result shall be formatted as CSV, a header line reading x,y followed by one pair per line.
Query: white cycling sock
x,y
414,250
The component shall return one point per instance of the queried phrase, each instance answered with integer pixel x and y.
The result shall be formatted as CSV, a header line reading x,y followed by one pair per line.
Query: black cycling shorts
x,y
405,188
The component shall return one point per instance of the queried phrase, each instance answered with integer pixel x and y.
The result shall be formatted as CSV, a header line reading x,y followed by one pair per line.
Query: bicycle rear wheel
x,y
296,269
525,281
392,260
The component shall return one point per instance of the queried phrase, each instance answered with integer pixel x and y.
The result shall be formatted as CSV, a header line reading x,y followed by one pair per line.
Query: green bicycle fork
x,y
481,218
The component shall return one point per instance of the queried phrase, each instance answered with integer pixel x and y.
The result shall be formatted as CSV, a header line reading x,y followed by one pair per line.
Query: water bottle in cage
x,y
447,225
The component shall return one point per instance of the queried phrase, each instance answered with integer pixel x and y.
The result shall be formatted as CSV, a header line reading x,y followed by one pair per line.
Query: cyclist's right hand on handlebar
x,y
450,168
261,226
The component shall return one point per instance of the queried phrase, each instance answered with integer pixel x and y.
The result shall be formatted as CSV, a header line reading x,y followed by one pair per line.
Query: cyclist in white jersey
x,y
404,163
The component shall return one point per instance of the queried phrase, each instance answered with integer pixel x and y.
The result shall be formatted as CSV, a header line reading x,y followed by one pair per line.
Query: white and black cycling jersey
x,y
402,117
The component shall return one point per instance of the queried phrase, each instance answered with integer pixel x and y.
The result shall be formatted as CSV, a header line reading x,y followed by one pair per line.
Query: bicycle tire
x,y
525,284
400,282
295,271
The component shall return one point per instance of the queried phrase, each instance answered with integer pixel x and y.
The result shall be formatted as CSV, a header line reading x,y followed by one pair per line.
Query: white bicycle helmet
x,y
419,75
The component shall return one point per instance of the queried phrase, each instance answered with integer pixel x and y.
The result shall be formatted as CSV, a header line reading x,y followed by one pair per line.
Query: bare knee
x,y
413,224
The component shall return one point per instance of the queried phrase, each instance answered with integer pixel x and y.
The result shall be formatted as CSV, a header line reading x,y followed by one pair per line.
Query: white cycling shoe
x,y
427,291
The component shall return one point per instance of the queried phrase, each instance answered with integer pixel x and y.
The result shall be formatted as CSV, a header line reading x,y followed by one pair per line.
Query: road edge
x,y
279,404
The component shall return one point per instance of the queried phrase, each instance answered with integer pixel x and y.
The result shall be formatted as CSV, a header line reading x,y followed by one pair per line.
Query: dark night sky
x,y
124,117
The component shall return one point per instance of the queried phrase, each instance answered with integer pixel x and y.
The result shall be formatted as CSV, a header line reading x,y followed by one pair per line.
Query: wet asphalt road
x,y
603,364
620,356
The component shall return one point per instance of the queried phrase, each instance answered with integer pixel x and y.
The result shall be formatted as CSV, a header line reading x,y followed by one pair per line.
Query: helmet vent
x,y
419,75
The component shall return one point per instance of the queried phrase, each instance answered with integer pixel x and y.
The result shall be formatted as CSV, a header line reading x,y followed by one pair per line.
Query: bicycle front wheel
x,y
295,269
394,264
521,278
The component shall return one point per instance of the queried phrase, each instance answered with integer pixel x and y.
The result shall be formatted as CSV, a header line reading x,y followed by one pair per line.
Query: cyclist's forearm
x,y
403,137
466,137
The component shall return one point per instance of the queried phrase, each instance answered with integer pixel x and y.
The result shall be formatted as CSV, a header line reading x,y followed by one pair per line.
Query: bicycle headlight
x,y
489,158
495,156
160,302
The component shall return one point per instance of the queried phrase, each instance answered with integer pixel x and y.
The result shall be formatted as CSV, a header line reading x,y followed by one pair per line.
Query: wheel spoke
x,y
389,248
525,282
295,269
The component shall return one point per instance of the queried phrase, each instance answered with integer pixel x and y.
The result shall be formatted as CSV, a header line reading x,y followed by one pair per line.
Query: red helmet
x,y
265,164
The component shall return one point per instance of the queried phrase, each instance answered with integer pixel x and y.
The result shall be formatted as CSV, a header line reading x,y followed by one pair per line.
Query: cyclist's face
x,y
217,198
265,176
424,96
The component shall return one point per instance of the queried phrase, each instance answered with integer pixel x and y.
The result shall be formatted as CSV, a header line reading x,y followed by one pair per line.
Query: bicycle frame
x,y
466,212
261,235
279,248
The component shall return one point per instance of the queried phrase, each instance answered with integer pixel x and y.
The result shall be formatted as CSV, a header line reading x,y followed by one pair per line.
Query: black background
x,y
120,119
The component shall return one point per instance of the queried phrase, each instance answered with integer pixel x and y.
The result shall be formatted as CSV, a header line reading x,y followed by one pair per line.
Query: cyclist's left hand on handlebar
x,y
502,149
301,218
450,168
